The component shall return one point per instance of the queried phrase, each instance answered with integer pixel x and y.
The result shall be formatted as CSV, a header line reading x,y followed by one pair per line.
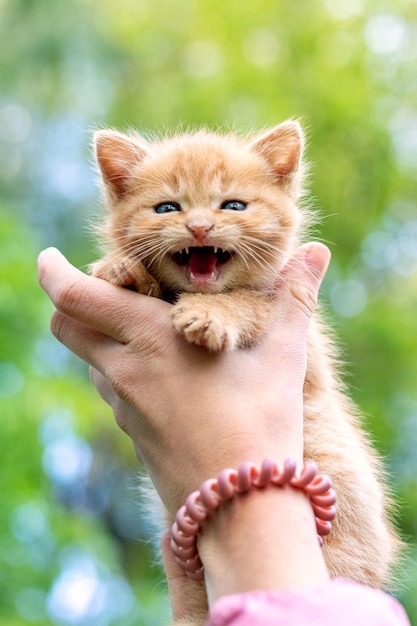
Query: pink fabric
x,y
337,602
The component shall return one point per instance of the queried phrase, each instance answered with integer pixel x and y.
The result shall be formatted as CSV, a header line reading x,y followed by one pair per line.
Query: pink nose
x,y
200,230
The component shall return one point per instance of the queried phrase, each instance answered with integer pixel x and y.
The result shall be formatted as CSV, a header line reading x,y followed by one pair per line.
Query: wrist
x,y
284,514
265,539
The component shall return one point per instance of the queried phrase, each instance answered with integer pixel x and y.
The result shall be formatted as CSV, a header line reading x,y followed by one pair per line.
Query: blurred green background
x,y
75,546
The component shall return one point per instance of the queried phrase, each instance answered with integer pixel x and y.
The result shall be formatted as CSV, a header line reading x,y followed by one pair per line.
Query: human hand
x,y
189,412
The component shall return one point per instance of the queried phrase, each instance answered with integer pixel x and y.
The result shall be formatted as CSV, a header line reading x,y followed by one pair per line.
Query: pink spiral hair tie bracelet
x,y
230,483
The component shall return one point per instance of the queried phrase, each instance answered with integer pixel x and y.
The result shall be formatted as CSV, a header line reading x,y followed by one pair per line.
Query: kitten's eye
x,y
167,207
234,205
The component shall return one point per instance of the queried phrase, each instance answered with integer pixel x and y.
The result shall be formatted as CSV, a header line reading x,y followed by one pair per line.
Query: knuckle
x,y
121,381
121,419
69,297
58,326
304,297
119,385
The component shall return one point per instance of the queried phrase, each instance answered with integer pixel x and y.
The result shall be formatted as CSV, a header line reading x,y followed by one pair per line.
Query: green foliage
x,y
348,71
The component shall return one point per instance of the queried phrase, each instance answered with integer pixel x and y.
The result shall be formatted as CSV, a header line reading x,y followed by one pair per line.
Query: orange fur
x,y
223,302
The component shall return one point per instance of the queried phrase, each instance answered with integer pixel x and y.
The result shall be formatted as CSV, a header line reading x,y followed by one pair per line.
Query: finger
x,y
296,298
317,260
110,310
303,275
103,386
92,346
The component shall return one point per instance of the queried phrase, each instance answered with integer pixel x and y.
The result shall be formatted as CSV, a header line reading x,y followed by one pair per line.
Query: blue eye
x,y
167,207
234,205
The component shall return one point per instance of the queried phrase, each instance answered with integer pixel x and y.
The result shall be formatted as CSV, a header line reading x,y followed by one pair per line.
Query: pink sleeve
x,y
337,602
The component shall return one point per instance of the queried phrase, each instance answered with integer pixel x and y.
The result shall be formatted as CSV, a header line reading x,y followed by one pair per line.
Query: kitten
x,y
207,222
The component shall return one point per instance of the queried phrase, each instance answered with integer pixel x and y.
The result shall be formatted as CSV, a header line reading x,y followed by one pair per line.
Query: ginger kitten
x,y
207,222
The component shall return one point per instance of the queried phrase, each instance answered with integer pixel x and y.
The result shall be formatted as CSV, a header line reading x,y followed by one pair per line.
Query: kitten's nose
x,y
200,230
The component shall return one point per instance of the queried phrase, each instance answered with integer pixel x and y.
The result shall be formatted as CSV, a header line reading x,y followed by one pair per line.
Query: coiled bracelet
x,y
230,483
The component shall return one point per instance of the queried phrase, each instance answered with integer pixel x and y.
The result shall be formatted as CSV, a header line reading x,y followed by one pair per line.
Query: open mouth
x,y
202,263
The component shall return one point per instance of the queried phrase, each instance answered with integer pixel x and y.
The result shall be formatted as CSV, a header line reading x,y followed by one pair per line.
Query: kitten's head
x,y
204,212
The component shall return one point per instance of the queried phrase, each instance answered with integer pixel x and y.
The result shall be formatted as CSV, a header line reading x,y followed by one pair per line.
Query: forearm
x,y
265,540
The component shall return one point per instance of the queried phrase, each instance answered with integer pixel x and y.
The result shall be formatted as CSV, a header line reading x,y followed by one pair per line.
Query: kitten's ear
x,y
117,155
282,148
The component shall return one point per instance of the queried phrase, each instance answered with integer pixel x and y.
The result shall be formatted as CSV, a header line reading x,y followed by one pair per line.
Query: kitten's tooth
x,y
192,276
187,250
213,275
215,249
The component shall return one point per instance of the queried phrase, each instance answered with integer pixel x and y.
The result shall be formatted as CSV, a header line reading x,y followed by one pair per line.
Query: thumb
x,y
317,259
303,275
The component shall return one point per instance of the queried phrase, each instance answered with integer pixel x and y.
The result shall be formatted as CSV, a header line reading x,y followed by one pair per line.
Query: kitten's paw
x,y
124,273
204,328
115,273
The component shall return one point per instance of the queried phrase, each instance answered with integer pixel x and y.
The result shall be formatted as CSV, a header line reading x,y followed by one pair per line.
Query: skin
x,y
241,405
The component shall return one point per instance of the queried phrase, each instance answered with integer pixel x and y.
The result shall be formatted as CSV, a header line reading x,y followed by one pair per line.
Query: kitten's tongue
x,y
202,261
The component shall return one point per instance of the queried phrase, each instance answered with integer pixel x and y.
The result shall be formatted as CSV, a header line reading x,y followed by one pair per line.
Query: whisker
x,y
247,253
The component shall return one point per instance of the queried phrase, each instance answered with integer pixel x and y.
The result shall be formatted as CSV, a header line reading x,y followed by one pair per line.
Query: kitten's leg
x,y
222,321
125,272
363,545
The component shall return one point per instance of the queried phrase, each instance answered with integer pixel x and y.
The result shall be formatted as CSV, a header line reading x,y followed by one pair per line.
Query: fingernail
x,y
317,259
